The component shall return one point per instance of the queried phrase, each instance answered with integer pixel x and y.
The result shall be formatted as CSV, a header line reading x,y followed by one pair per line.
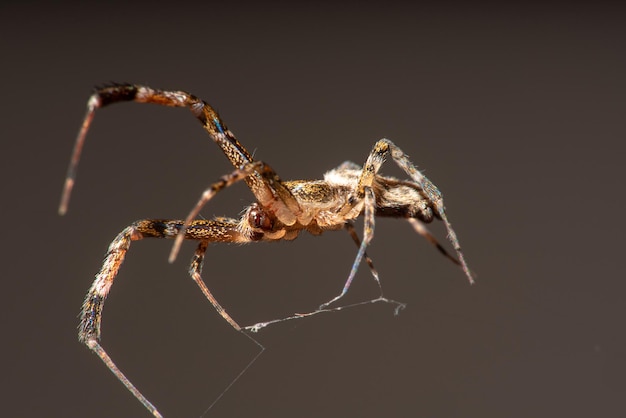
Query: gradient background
x,y
516,112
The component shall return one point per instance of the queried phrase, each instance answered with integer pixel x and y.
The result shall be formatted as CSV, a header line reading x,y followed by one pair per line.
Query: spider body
x,y
324,204
282,209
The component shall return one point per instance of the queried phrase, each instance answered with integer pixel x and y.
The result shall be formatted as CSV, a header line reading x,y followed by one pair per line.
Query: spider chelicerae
x,y
282,210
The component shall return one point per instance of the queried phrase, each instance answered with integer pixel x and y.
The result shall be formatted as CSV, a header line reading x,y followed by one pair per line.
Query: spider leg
x,y
421,229
385,147
350,228
195,270
222,183
97,348
368,234
91,314
269,192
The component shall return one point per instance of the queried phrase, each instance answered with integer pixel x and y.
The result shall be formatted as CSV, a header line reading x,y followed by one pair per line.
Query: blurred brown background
x,y
516,112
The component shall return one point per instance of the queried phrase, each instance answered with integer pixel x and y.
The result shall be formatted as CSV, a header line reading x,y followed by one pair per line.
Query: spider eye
x,y
258,219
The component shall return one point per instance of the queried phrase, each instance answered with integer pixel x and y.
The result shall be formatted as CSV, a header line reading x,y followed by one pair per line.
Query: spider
x,y
282,210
